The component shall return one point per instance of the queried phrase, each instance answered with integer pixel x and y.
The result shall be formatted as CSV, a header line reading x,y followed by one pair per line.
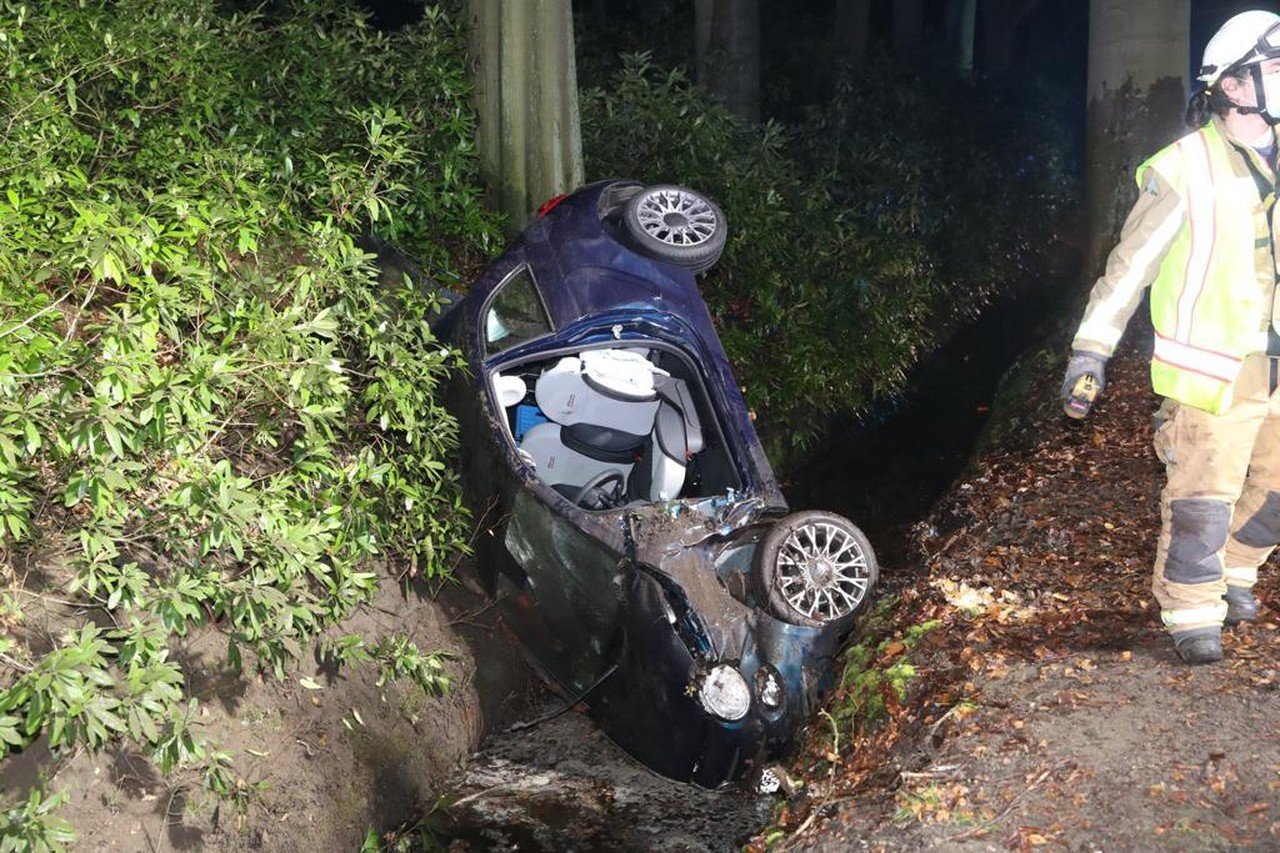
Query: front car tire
x,y
816,569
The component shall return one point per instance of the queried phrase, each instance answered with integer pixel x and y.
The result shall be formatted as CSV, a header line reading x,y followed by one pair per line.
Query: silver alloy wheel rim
x,y
822,571
676,217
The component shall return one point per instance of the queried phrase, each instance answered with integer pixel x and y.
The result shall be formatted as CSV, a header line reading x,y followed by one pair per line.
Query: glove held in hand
x,y
1080,365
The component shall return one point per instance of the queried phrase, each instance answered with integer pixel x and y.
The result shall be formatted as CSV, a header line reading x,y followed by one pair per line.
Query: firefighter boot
x,y
1199,645
1241,605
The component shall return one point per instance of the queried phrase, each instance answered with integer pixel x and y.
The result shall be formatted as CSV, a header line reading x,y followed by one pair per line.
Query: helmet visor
x,y
1269,44
1267,47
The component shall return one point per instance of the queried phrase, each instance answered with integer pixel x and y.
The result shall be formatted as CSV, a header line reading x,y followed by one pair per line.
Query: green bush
x,y
975,169
852,251
207,401
33,825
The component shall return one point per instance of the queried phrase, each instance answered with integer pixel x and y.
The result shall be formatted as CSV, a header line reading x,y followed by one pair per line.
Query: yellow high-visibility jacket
x,y
1201,238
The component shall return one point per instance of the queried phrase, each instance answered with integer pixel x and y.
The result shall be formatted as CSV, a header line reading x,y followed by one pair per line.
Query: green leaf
x,y
113,438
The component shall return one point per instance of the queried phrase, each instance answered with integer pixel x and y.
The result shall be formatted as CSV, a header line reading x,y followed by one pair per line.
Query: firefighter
x,y
1202,235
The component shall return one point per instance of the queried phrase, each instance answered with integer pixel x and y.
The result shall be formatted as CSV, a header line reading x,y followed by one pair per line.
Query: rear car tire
x,y
816,569
677,225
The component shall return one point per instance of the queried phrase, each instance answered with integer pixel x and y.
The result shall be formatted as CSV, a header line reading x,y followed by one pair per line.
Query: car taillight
x,y
550,203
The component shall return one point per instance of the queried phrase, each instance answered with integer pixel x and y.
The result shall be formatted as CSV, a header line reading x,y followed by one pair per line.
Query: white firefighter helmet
x,y
1246,38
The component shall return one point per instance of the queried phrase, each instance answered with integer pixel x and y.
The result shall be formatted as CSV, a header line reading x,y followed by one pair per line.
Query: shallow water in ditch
x,y
561,785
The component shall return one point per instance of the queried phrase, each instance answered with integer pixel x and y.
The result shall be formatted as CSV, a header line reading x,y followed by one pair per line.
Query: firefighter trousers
x,y
1220,508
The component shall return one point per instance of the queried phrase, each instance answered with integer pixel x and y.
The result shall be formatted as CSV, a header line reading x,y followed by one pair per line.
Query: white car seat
x,y
676,438
608,388
557,464
602,405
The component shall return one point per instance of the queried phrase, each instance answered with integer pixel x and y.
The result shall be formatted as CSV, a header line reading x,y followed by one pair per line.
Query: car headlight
x,y
724,692
769,687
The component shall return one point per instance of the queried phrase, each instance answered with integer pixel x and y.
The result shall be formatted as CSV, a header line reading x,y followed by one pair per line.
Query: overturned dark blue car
x,y
629,521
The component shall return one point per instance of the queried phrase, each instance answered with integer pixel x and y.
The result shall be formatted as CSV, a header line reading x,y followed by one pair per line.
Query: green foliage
x,y
866,686
427,832
33,825
396,657
976,171
69,692
848,257
206,396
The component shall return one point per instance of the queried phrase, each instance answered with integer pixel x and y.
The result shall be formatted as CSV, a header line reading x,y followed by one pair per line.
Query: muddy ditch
x,y
561,785
320,757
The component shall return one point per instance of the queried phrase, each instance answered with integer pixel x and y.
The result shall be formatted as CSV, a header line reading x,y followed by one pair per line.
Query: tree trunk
x,y
731,71
853,30
908,25
1137,64
528,129
1000,20
703,12
962,16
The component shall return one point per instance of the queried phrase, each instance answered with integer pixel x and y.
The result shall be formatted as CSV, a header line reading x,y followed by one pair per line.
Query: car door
x,y
558,583
564,602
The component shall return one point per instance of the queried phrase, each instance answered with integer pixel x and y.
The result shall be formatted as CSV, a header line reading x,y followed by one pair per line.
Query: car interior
x,y
612,426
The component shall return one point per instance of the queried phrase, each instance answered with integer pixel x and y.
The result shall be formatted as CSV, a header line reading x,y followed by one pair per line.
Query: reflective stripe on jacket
x,y
1199,235
1205,300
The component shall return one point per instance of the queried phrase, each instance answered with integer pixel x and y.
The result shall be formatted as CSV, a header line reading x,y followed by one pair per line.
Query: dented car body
x,y
628,518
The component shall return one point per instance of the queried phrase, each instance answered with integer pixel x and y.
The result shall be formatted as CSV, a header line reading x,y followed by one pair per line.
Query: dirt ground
x,y
319,764
1048,709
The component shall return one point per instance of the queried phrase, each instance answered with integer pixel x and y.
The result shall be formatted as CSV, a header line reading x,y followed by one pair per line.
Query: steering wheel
x,y
594,495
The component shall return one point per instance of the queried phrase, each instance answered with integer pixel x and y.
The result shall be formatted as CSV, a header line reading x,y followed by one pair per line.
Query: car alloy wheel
x,y
677,217
816,568
676,224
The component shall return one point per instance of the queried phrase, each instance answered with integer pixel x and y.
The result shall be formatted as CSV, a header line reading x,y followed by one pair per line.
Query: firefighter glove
x,y
1085,379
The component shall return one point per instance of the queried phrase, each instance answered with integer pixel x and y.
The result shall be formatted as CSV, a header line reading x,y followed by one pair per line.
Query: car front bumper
x,y
651,705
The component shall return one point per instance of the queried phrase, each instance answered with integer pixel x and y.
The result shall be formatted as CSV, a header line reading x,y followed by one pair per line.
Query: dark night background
x,y
797,55
794,35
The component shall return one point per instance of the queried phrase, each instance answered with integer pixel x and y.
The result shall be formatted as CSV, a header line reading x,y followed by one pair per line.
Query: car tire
x,y
677,225
816,569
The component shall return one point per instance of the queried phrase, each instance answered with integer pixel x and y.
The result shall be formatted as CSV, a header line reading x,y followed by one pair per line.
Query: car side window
x,y
516,314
